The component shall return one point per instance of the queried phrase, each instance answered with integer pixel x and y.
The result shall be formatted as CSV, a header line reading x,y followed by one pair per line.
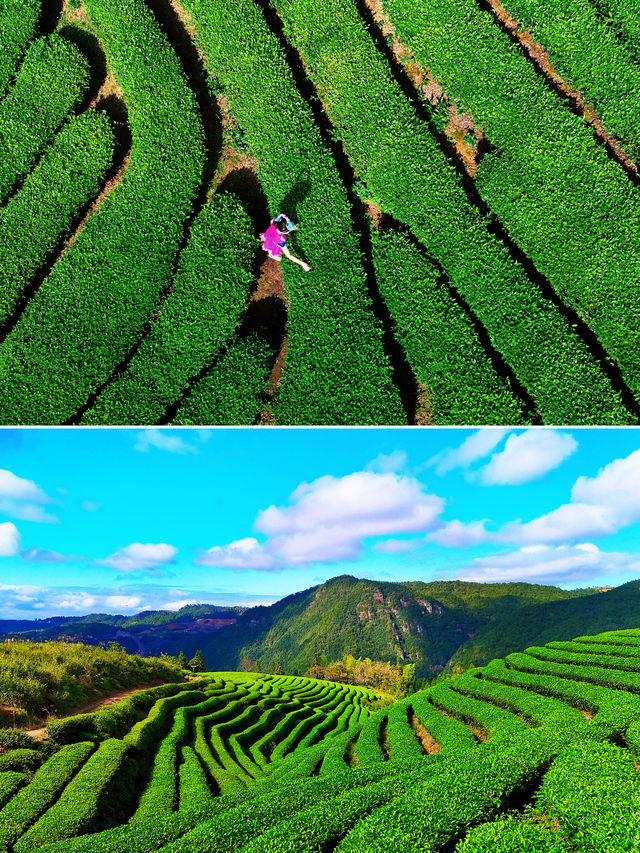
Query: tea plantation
x,y
536,752
464,176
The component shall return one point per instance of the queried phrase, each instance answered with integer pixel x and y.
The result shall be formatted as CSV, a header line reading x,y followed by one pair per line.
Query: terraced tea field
x,y
467,195
535,752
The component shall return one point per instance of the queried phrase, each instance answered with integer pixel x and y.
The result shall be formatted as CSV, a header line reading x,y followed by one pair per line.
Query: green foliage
x,y
546,178
40,216
10,782
511,835
47,784
395,680
622,16
34,676
52,79
440,341
197,662
336,369
89,311
18,22
394,153
202,312
590,57
21,759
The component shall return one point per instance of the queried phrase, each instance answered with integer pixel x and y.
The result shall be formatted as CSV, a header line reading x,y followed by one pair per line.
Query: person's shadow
x,y
290,202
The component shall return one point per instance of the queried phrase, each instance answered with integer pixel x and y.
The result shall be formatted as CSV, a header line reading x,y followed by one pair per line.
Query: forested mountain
x,y
434,625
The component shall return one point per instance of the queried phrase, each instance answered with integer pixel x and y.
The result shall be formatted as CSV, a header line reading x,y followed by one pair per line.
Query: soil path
x,y
95,705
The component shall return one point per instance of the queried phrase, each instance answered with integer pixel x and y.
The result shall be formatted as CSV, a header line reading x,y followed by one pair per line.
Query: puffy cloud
x,y
328,519
528,456
599,506
139,556
245,553
123,602
457,534
178,605
398,546
475,447
43,555
386,463
78,601
20,489
23,499
156,438
575,564
9,539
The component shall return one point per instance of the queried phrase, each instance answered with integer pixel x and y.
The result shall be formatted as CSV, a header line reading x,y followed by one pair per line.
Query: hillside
x,y
429,624
536,752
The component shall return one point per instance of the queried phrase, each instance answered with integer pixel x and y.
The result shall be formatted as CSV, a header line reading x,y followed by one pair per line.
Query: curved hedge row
x,y
406,172
35,221
53,78
336,368
201,313
568,206
18,24
91,308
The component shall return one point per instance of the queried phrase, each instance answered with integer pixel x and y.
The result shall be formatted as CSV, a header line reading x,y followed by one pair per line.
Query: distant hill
x,y
434,625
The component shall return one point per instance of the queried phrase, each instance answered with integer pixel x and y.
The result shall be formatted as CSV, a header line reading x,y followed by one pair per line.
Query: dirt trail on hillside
x,y
95,705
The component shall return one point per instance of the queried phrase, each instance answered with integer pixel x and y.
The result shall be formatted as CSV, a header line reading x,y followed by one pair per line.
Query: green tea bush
x,y
18,24
336,370
590,57
566,204
10,782
40,216
441,342
403,168
31,802
21,759
201,313
91,308
512,835
50,83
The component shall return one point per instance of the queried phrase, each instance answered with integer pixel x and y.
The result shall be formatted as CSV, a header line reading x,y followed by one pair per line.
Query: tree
x,y
246,664
197,662
257,667
182,660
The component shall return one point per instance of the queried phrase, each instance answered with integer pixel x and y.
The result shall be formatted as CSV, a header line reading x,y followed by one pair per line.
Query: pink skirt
x,y
273,242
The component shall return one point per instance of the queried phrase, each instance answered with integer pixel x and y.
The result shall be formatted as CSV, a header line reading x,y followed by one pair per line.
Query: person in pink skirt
x,y
274,240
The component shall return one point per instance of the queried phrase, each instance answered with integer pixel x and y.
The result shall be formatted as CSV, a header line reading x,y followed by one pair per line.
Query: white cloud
x,y
23,499
599,506
76,601
475,447
43,555
528,456
457,534
398,546
124,602
177,605
386,463
91,506
139,556
575,564
245,553
9,539
328,519
155,438
20,489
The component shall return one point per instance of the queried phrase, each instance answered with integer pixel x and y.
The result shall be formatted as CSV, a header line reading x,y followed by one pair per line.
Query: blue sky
x,y
118,520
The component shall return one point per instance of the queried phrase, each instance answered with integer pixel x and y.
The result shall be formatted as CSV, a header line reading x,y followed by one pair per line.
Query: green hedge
x,y
50,83
336,369
18,24
450,734
146,734
40,216
21,759
403,169
368,744
441,342
230,392
207,300
590,57
490,720
11,782
90,310
622,16
592,790
194,791
567,205
614,678
512,835
585,658
48,783
81,803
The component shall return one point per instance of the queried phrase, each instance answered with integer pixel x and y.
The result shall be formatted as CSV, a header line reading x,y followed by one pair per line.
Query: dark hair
x,y
281,224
